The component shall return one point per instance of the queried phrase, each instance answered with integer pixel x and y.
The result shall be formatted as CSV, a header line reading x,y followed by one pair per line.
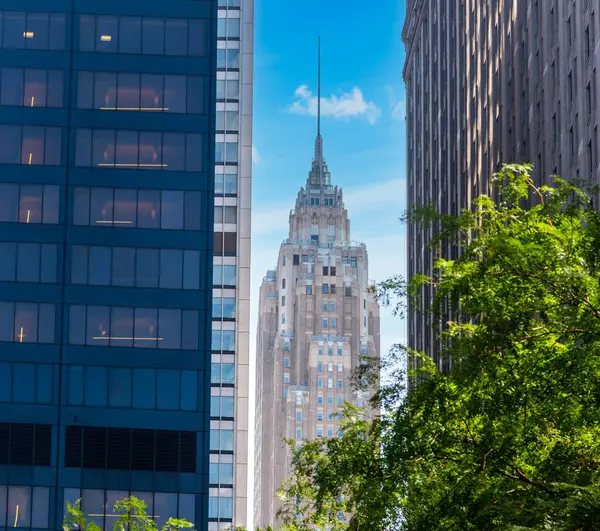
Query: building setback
x,y
489,82
317,318
107,254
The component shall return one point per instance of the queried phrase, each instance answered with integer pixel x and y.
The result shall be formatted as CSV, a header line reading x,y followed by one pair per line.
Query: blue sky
x,y
363,131
363,127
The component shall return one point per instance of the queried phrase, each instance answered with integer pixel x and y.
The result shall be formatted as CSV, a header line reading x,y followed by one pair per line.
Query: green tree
x,y
132,517
509,437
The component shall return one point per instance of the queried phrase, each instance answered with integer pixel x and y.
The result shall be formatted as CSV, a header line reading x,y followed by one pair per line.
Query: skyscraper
x,y
317,318
230,360
107,151
488,82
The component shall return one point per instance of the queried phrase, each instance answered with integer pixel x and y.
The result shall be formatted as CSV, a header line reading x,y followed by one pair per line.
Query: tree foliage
x,y
132,517
509,437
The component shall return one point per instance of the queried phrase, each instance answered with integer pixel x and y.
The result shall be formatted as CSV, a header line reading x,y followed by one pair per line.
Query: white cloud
x,y
398,107
256,158
348,105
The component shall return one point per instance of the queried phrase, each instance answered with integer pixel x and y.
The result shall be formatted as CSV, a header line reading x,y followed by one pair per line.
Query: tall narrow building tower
x,y
317,319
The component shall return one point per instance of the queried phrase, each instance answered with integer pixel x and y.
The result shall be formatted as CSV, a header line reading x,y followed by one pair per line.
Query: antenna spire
x,y
319,91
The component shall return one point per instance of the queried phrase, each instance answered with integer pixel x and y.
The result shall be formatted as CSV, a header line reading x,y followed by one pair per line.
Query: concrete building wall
x,y
317,318
488,82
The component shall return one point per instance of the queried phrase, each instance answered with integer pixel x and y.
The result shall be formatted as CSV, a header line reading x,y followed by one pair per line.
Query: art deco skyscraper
x,y
317,318
488,82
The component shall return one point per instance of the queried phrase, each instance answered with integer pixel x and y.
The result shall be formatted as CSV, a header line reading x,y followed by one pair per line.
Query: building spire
x,y
319,140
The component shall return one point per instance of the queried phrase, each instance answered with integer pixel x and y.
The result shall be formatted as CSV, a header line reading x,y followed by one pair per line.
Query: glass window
x,y
130,35
10,144
168,390
128,92
191,270
195,94
149,212
228,373
174,151
171,267
14,29
107,35
100,259
152,92
229,275
77,325
87,33
101,206
96,394
233,58
172,210
75,385
103,147
47,323
123,266
121,327
8,252
169,328
12,86
197,37
119,388
176,37
83,146
127,149
147,268
146,328
231,152
37,32
34,94
23,383
229,340
57,31
144,388
153,36
175,94
19,506
98,328
189,333
26,322
28,262
40,508
193,153
189,390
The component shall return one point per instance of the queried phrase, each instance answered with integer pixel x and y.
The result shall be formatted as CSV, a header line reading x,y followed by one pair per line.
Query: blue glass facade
x,y
107,128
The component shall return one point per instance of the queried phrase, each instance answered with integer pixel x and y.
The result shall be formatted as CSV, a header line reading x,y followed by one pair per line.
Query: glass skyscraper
x,y
107,243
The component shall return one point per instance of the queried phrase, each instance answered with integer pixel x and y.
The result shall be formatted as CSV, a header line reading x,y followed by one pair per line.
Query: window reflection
x,y
152,36
30,145
134,327
104,148
32,31
22,322
29,203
